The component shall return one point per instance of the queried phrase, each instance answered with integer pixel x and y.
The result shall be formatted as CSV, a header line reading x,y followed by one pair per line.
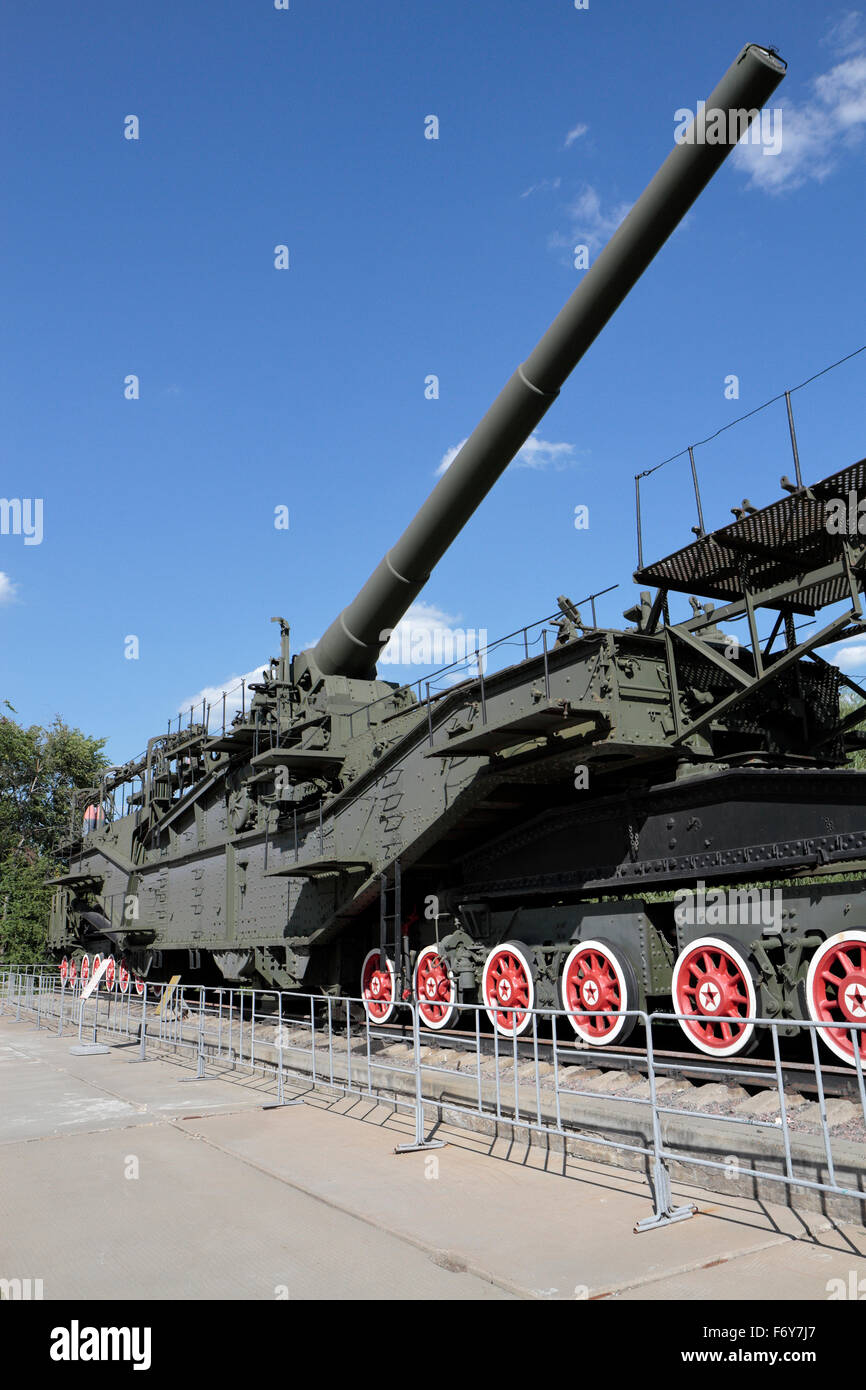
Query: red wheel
x,y
508,979
110,972
836,991
378,987
64,971
97,961
73,970
139,984
123,977
713,979
435,989
85,970
596,978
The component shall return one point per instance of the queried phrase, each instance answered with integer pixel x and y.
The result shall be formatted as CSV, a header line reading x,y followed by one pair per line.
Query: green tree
x,y
847,705
39,770
25,905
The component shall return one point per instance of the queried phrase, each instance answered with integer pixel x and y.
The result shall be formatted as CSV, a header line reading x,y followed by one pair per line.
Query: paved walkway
x,y
128,1180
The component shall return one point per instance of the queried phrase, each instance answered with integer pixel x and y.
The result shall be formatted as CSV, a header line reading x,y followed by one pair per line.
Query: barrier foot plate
x,y
415,1148
88,1049
665,1218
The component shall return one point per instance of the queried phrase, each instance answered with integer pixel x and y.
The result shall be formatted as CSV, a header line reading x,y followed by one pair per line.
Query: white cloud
x,y
213,696
575,134
536,453
539,453
591,223
816,133
850,656
843,92
424,630
427,636
8,590
542,187
847,35
448,458
419,618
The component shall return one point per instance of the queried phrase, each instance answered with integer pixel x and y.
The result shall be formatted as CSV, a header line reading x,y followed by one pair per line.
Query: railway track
x,y
753,1073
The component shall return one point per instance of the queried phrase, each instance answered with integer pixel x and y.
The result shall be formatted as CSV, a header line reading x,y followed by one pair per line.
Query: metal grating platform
x,y
770,547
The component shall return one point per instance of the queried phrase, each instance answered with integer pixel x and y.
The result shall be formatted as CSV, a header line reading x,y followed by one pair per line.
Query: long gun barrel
x,y
352,643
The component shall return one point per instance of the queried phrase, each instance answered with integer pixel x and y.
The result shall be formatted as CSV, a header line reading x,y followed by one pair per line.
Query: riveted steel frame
x,y
848,567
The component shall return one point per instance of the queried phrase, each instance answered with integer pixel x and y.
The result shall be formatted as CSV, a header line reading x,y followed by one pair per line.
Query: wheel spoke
x,y
836,992
593,993
711,982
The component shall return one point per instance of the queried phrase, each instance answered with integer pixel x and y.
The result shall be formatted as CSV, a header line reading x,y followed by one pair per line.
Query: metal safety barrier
x,y
533,1082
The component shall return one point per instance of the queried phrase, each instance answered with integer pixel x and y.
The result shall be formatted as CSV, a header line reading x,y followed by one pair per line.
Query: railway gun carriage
x,y
582,829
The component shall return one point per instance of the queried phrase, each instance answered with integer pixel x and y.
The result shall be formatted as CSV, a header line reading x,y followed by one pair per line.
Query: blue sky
x,y
304,388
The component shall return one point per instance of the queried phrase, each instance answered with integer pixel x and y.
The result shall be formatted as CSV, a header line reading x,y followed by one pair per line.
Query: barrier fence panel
x,y
520,1068
770,1075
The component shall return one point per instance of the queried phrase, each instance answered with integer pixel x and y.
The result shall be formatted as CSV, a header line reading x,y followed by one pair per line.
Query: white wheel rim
x,y
714,943
586,1035
446,1004
389,969
827,1034
497,1016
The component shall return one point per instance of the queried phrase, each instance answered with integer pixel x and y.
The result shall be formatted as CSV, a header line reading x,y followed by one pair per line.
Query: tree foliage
x,y
39,770
847,705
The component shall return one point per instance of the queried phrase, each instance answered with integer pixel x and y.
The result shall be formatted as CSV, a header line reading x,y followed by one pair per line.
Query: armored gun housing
x,y
517,837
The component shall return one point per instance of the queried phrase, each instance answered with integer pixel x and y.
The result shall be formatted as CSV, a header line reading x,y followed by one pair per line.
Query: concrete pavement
x,y
127,1180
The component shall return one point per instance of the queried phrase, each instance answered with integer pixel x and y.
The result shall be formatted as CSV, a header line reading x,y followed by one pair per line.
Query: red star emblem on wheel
x,y
709,997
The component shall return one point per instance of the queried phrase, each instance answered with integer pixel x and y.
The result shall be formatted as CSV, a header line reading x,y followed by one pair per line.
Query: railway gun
x,y
583,828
